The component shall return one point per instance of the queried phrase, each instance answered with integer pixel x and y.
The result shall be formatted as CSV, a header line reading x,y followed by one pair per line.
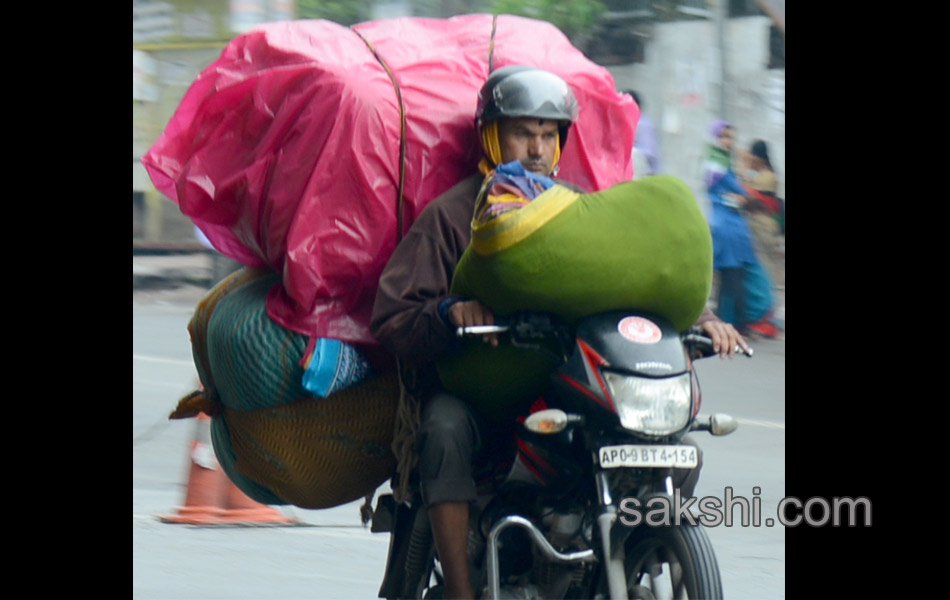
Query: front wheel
x,y
671,562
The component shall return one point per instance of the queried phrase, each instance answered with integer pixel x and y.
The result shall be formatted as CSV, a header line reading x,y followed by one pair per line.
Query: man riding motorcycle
x,y
524,114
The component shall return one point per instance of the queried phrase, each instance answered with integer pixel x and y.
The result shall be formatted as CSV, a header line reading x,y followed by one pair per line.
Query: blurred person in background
x,y
732,242
765,210
646,147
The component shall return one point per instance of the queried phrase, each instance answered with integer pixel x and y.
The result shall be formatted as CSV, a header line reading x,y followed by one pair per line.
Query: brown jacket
x,y
418,276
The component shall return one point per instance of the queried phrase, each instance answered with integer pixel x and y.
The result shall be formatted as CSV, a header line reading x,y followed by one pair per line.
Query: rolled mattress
x,y
641,245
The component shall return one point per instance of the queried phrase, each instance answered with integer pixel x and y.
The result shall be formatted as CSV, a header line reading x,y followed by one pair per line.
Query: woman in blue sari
x,y
733,253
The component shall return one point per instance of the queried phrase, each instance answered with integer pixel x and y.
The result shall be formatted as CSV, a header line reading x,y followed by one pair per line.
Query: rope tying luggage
x,y
409,411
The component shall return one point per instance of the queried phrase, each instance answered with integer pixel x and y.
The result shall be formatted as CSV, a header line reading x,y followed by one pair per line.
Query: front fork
x,y
614,556
613,542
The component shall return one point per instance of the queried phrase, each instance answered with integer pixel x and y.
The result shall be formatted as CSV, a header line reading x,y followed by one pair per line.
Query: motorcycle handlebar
x,y
536,331
701,346
523,325
528,325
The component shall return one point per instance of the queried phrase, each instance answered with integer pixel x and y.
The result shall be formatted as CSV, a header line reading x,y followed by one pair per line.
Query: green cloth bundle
x,y
639,245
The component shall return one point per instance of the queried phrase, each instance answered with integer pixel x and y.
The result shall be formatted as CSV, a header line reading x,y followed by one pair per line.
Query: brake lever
x,y
480,330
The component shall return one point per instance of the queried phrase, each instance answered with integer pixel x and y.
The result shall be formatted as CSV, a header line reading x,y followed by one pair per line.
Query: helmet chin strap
x,y
557,155
491,143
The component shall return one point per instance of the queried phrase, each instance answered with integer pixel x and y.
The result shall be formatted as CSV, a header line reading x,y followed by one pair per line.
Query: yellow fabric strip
x,y
491,143
511,227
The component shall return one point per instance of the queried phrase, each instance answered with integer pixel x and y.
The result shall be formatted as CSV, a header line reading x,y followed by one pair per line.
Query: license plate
x,y
632,455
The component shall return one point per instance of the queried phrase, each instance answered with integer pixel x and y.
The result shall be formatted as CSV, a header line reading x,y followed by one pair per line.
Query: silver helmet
x,y
523,91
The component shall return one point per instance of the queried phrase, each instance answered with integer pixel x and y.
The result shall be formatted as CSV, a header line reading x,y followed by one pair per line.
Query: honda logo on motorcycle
x,y
639,330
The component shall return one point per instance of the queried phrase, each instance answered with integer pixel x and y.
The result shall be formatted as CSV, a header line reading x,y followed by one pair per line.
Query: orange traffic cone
x,y
212,498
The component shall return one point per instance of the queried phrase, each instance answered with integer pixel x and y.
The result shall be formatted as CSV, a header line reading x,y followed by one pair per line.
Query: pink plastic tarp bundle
x,y
290,152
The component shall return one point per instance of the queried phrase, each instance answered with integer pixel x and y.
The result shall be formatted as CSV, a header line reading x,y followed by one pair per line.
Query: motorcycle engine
x,y
562,530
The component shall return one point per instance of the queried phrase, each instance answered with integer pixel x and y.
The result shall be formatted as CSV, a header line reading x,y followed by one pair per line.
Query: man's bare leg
x,y
450,530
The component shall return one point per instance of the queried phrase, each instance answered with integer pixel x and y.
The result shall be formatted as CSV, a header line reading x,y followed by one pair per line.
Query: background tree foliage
x,y
574,17
344,12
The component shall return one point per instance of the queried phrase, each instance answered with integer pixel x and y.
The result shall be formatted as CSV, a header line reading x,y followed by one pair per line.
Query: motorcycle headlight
x,y
651,406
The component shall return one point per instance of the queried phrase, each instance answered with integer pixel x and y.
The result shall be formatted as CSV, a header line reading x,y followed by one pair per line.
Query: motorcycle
x,y
566,520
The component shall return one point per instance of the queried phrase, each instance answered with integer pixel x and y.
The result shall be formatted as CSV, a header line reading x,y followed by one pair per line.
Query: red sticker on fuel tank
x,y
639,330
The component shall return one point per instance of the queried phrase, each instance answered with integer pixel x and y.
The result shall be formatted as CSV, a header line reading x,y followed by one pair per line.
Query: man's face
x,y
529,140
727,139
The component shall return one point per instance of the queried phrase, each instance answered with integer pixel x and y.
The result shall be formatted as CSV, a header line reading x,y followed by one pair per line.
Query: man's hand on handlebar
x,y
469,313
726,340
